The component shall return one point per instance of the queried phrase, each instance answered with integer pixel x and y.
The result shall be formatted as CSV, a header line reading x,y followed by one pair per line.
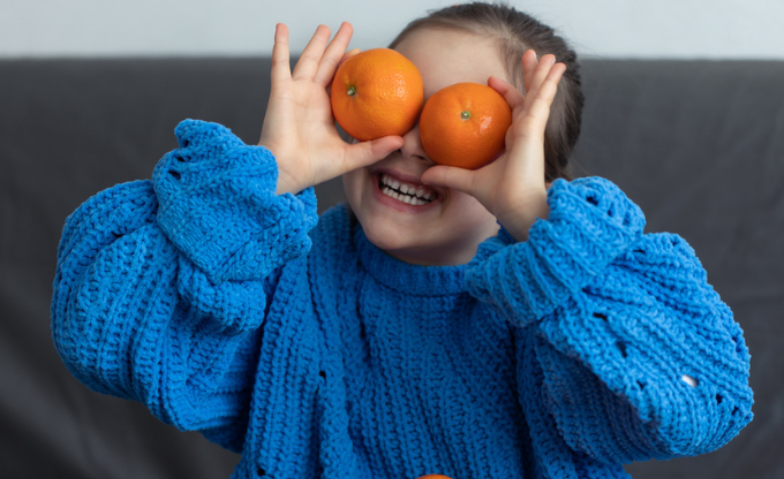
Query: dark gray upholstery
x,y
698,145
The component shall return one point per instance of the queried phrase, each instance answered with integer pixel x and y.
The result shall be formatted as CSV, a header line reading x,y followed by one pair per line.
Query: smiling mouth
x,y
415,195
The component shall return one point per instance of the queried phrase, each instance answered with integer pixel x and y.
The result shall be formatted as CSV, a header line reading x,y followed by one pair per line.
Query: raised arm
x,y
160,286
621,338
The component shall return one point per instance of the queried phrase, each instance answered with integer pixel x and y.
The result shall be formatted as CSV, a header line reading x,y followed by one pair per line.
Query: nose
x,y
412,146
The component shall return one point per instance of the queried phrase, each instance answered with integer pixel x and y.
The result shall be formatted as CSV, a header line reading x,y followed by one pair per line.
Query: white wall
x,y
611,28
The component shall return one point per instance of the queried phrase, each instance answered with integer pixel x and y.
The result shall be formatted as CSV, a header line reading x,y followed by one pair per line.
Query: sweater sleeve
x,y
160,288
639,356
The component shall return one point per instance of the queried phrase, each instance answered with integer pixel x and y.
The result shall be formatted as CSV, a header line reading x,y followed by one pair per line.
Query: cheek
x,y
465,204
352,185
469,211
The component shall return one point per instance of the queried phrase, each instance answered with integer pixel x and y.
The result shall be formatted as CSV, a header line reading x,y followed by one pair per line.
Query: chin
x,y
386,235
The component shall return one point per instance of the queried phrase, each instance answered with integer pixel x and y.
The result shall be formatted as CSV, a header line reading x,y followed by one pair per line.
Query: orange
x,y
464,125
434,476
377,93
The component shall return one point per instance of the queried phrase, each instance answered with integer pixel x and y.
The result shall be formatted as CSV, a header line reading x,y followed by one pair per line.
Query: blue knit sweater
x,y
295,341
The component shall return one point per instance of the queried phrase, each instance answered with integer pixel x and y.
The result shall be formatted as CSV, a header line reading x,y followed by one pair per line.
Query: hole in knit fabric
x,y
641,384
734,410
179,158
175,174
600,316
622,348
690,380
718,399
592,200
260,472
323,374
738,347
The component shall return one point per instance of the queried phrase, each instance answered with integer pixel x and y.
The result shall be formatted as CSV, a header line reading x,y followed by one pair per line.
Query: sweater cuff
x,y
218,205
591,222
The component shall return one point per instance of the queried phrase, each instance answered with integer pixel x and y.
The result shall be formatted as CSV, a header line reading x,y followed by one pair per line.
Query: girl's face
x,y
448,229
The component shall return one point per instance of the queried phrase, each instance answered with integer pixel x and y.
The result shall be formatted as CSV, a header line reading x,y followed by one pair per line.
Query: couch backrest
x,y
699,145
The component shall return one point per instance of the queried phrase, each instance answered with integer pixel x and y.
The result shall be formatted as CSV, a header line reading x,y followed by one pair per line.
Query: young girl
x,y
515,325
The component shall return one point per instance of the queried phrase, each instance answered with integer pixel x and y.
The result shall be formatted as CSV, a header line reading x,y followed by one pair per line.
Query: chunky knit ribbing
x,y
297,342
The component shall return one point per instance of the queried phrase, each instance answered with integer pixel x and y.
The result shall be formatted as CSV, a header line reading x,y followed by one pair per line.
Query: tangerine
x,y
377,93
464,125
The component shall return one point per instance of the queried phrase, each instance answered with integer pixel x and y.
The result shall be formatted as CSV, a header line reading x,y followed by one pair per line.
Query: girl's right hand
x,y
299,128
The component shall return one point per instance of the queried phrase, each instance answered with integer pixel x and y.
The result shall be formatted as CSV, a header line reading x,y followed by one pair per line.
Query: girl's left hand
x,y
512,187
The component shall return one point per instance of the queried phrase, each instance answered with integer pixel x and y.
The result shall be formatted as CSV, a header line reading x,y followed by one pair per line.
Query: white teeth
x,y
407,192
411,200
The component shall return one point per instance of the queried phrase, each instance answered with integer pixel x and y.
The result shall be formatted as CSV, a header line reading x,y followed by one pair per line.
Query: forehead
x,y
446,56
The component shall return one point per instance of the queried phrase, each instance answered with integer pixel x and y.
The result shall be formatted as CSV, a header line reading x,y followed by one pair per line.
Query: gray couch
x,y
698,145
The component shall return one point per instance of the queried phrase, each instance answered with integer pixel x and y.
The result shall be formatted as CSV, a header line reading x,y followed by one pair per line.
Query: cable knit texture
x,y
296,342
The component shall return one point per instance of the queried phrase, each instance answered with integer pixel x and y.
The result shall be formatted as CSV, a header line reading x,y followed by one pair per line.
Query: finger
x,y
530,62
508,91
281,70
311,56
541,72
540,101
348,55
460,179
545,94
345,57
334,54
368,152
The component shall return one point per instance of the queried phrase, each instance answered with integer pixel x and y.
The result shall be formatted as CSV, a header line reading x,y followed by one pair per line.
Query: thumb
x,y
451,177
369,152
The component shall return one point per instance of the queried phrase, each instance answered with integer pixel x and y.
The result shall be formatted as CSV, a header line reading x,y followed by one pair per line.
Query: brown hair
x,y
516,32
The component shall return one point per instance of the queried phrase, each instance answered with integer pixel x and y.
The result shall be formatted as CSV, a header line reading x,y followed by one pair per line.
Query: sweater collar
x,y
404,277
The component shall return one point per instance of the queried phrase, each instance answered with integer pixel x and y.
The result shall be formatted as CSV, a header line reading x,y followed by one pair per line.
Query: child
x,y
515,325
